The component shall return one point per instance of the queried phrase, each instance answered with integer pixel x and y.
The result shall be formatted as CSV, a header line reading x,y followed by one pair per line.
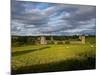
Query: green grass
x,y
47,58
91,40
45,54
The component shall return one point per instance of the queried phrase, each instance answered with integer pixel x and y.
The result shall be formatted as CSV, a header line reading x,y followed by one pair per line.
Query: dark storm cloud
x,y
19,12
84,14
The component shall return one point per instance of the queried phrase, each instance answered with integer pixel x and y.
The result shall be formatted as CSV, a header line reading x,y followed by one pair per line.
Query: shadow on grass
x,y
27,51
67,65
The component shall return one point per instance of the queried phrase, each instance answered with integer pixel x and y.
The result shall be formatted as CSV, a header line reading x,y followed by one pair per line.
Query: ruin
x,y
42,40
83,39
80,41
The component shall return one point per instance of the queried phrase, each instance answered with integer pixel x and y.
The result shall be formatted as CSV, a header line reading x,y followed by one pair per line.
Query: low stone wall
x,y
55,42
64,42
58,42
75,42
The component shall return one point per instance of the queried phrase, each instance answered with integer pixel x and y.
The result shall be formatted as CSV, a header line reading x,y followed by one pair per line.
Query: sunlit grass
x,y
51,54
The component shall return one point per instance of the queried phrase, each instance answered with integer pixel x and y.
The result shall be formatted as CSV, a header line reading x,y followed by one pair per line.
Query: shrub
x,y
60,42
51,42
67,42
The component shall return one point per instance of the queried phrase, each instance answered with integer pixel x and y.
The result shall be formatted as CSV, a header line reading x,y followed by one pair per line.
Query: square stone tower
x,y
43,40
82,38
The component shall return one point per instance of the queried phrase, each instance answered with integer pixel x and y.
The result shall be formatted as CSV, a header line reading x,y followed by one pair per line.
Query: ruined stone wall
x,y
43,40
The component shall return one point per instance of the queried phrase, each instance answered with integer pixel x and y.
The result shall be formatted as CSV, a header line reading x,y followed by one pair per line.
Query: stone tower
x,y
43,40
83,39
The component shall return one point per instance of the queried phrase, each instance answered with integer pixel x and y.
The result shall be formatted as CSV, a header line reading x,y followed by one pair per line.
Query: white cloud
x,y
28,19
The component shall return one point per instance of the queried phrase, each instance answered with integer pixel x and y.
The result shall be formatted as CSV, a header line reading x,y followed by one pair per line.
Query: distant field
x,y
46,58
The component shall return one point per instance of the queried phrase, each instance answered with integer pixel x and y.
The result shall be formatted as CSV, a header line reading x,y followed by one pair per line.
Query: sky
x,y
40,18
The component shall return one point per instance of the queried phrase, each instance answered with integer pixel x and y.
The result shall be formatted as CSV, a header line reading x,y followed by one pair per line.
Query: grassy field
x,y
48,58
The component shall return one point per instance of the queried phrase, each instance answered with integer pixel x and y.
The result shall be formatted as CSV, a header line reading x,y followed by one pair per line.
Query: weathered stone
x,y
83,39
43,40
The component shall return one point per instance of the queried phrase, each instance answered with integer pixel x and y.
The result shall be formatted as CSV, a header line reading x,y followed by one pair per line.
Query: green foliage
x,y
60,42
22,40
51,42
91,40
29,40
67,42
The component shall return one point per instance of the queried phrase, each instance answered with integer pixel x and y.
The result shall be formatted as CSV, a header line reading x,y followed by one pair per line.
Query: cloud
x,y
34,18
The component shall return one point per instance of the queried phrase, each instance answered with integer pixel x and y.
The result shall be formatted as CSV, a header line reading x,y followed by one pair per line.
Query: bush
x,y
67,42
51,42
60,42
17,44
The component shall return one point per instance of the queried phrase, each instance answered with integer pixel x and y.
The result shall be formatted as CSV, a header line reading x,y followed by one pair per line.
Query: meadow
x,y
51,58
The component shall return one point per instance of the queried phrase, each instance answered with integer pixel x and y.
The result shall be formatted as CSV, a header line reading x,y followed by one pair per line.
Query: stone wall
x,y
43,40
83,39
